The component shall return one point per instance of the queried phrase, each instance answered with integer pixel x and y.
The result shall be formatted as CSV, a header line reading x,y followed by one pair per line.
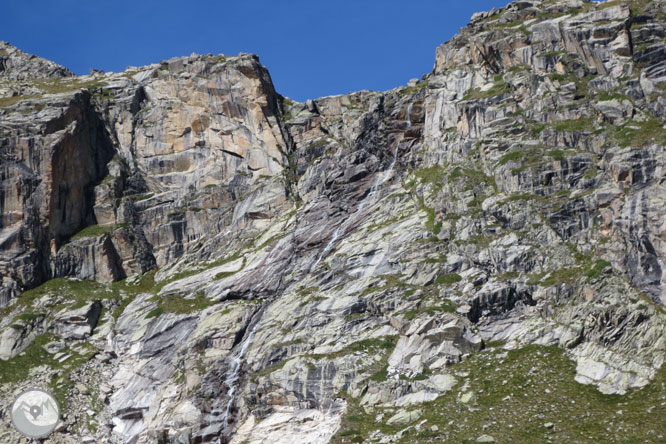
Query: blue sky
x,y
311,48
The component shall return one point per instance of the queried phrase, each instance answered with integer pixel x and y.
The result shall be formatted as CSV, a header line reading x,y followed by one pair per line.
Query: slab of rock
x,y
77,323
404,417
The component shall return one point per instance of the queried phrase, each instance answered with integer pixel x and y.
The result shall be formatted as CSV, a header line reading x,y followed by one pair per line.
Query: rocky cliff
x,y
187,256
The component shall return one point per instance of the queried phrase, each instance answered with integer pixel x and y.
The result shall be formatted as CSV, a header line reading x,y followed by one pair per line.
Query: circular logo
x,y
35,413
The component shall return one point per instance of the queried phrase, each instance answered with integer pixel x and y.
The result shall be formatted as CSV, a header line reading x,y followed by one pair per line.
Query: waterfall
x,y
379,181
233,375
409,111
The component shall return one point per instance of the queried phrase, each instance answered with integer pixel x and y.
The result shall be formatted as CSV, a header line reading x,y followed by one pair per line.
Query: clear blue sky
x,y
312,48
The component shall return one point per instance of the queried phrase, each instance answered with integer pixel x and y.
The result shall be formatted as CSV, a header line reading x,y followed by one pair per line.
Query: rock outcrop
x,y
191,257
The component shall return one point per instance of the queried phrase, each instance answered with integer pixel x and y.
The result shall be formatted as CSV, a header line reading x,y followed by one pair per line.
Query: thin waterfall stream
x,y
233,375
379,181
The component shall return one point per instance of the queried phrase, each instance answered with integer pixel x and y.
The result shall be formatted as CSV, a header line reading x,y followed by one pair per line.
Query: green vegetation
x,y
176,303
472,178
445,306
409,90
11,101
319,142
285,105
224,274
587,265
355,107
638,134
28,317
447,279
508,157
557,277
380,375
637,7
497,89
433,175
307,291
75,293
191,272
598,267
18,368
556,154
216,59
62,382
272,240
515,69
507,276
140,197
125,292
156,312
531,157
104,94
382,345
481,240
71,290
515,396
434,227
55,86
96,231
612,95
387,222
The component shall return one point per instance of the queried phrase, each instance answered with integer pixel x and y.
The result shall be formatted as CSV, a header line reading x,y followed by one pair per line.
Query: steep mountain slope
x,y
188,256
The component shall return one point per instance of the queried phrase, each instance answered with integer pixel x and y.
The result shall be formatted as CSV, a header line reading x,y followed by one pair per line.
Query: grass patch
x,y
638,134
508,157
179,304
156,312
76,293
598,268
561,276
434,175
17,369
409,90
431,225
447,279
380,375
472,178
319,142
495,90
216,59
517,392
556,155
140,197
11,101
445,306
612,95
95,231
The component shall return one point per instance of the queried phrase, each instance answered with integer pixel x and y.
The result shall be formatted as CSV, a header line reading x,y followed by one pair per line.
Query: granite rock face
x,y
18,65
219,263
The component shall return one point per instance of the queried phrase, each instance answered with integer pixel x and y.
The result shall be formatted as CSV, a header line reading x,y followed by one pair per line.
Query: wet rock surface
x,y
188,256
